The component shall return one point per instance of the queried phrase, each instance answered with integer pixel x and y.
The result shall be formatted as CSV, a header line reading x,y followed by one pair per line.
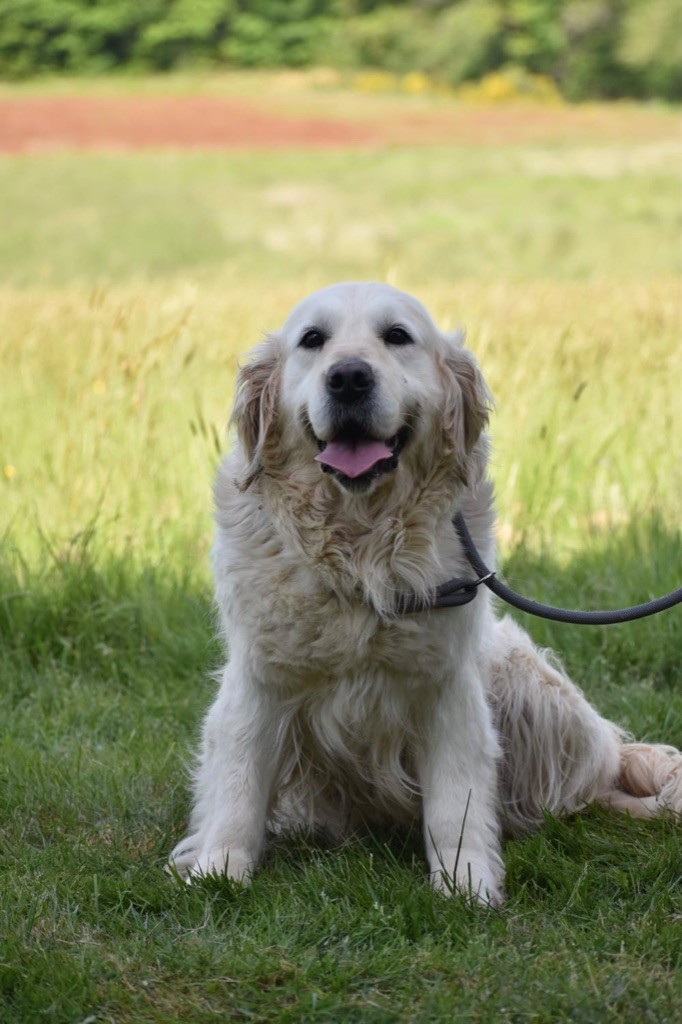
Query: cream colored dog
x,y
360,433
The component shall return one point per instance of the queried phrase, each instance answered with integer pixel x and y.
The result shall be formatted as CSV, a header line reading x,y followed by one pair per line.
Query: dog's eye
x,y
397,336
312,339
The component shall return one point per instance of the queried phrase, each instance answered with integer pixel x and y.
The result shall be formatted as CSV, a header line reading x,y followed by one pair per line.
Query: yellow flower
x,y
8,471
415,83
375,81
99,386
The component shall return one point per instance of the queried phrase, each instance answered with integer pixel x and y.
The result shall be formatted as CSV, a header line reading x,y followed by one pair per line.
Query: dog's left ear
x,y
467,402
255,406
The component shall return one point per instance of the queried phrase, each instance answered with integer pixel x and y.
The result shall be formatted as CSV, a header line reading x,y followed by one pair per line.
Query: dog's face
x,y
361,380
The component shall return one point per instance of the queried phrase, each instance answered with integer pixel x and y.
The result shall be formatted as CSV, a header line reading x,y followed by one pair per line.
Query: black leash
x,y
460,591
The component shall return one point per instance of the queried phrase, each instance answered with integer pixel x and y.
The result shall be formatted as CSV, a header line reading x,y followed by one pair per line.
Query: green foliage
x,y
459,42
651,46
387,38
589,47
191,28
589,62
467,41
535,35
257,41
72,35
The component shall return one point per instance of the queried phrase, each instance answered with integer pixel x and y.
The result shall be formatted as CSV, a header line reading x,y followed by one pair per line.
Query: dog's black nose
x,y
350,381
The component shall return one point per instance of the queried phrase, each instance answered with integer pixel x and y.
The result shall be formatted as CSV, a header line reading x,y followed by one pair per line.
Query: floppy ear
x,y
255,406
467,402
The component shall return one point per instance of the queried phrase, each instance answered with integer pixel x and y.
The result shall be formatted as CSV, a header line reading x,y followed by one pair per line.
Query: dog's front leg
x,y
458,778
237,765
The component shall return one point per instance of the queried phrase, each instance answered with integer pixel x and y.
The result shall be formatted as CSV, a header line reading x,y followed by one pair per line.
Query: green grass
x,y
133,285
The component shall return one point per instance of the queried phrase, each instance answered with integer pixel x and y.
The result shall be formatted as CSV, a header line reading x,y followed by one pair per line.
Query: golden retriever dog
x,y
361,431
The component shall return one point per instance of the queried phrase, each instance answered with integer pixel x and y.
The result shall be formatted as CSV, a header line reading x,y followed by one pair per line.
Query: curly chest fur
x,y
308,632
312,602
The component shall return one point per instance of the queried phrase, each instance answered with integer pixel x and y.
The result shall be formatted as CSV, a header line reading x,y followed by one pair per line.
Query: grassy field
x,y
133,284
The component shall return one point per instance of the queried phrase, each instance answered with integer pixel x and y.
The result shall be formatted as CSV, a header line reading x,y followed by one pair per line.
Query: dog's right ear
x,y
255,406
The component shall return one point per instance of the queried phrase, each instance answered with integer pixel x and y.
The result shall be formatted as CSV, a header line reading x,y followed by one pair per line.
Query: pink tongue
x,y
354,460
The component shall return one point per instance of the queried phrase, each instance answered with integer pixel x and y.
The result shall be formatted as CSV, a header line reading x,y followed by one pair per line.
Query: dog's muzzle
x,y
354,452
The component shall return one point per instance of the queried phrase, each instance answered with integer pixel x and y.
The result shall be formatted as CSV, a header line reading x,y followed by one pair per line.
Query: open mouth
x,y
356,459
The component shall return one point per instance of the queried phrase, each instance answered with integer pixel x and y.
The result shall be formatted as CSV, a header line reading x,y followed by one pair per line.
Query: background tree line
x,y
590,48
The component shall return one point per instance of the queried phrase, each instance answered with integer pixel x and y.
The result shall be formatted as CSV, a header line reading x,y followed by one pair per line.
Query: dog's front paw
x,y
231,863
188,863
468,873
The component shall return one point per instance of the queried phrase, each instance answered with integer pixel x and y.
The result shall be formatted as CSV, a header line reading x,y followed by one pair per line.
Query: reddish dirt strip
x,y
161,122
36,124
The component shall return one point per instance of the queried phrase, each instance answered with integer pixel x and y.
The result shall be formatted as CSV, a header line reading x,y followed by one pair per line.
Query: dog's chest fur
x,y
306,617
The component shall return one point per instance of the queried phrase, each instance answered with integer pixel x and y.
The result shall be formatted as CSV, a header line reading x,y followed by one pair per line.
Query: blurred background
x,y
586,48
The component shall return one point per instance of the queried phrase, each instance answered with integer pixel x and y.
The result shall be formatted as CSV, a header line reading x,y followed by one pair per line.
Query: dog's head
x,y
362,386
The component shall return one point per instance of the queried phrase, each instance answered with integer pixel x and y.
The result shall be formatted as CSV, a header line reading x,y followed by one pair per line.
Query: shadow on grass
x,y
90,613
613,570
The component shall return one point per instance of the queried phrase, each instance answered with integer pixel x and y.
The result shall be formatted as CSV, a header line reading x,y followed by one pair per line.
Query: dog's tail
x,y
649,782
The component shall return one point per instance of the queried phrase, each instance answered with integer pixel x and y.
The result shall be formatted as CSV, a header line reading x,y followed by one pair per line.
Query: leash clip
x,y
482,579
452,594
458,592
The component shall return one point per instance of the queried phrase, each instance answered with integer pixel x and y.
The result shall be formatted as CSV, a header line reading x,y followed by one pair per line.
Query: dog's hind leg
x,y
559,754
